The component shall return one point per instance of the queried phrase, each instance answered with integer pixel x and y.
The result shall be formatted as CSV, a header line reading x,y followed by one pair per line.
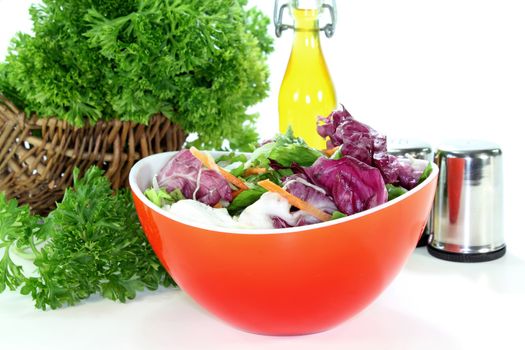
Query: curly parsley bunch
x,y
92,243
200,63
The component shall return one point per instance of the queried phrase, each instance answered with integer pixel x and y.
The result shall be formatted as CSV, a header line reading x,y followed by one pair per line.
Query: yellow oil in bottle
x,y
306,90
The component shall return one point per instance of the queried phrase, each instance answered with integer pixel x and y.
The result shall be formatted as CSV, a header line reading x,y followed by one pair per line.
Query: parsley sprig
x,y
92,243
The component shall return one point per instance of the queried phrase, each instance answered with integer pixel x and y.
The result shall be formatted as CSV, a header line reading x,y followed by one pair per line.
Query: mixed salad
x,y
286,183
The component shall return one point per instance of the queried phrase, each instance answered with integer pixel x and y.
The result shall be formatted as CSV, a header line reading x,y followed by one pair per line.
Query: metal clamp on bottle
x,y
321,5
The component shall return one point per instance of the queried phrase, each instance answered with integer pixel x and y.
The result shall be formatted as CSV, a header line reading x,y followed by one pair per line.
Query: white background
x,y
416,68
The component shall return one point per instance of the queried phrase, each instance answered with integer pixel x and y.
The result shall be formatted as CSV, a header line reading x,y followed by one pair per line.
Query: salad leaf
x,y
294,153
244,199
233,162
338,215
160,197
356,139
274,176
299,186
279,222
285,172
395,191
187,173
285,149
352,184
426,173
259,157
399,171
338,154
363,143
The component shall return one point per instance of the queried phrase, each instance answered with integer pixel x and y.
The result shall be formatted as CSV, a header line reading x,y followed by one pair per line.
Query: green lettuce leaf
x,y
395,191
338,215
244,199
426,173
161,197
233,162
285,150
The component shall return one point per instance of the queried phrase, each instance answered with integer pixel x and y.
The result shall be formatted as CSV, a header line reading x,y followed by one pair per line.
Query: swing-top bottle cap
x,y
322,6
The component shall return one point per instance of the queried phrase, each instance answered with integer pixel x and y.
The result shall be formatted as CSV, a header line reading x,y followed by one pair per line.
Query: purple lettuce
x,y
363,143
400,171
186,173
356,139
279,222
299,186
354,185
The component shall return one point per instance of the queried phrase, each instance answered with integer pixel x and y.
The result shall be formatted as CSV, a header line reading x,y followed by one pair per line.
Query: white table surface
x,y
432,304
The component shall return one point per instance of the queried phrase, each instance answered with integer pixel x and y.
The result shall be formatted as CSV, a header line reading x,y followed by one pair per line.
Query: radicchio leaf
x,y
358,140
186,173
354,185
404,172
299,186
363,143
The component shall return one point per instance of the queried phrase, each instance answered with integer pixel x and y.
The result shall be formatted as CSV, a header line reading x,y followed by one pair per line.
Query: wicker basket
x,y
38,155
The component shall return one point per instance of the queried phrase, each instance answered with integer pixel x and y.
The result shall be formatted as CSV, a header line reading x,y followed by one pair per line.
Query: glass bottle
x,y
307,90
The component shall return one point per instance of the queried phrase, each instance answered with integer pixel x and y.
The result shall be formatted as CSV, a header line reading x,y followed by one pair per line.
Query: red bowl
x,y
285,281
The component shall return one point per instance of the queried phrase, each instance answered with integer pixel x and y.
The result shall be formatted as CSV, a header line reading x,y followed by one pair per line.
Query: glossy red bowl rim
x,y
151,161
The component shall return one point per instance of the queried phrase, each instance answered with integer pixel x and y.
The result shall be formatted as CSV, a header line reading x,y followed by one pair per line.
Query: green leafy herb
x,y
92,243
200,63
395,191
17,228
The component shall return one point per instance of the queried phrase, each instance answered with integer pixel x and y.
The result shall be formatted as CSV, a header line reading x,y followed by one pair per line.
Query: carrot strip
x,y
205,159
254,171
218,205
209,162
295,201
331,151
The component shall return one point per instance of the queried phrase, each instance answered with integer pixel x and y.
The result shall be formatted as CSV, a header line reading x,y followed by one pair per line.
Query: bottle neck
x,y
306,30
306,20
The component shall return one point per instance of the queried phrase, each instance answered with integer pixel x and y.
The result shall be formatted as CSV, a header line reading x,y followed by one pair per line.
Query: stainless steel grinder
x,y
468,207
